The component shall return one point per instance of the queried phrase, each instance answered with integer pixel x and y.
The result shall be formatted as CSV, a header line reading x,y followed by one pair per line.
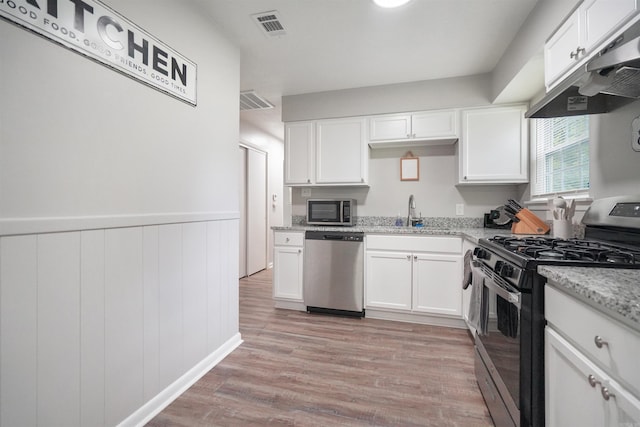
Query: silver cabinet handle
x,y
599,341
415,257
287,240
592,381
408,257
308,181
299,251
408,135
606,394
576,54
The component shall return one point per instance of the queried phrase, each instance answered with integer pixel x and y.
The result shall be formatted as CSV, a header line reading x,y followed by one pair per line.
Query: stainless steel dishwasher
x,y
333,272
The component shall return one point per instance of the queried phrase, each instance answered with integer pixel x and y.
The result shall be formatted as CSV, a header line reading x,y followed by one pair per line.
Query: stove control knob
x,y
503,269
481,253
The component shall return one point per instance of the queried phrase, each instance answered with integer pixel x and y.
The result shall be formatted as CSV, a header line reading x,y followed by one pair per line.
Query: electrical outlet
x,y
459,209
635,134
306,192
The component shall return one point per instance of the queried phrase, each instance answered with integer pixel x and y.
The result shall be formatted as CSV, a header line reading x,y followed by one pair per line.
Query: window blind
x,y
562,155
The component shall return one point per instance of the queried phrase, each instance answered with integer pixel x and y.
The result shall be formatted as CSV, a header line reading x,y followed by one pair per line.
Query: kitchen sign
x,y
92,29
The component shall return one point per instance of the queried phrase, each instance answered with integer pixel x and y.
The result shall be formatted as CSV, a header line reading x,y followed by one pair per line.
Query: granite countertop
x,y
472,234
613,291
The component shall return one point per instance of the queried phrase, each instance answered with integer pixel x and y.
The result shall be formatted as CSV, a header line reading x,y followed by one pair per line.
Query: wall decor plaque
x,y
91,28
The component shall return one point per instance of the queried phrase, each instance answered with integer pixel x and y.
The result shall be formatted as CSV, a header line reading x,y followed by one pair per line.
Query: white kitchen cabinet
x,y
589,357
299,148
342,155
417,274
493,147
415,129
288,256
388,280
436,284
326,152
577,390
582,34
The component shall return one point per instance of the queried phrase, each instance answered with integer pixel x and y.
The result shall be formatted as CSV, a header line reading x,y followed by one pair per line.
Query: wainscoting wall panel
x,y
100,327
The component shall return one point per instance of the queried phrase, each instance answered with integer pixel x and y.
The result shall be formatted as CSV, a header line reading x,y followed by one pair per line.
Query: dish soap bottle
x,y
399,221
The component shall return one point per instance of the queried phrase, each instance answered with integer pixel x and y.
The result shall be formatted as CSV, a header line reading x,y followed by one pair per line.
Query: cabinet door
x,y
601,17
558,50
388,280
494,146
574,390
341,151
287,272
435,124
298,152
392,127
437,284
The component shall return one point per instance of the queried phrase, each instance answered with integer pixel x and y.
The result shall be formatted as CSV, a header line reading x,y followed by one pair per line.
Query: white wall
x,y
140,189
436,193
615,167
274,147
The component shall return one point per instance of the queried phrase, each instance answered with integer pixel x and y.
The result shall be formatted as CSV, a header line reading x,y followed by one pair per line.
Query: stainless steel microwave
x,y
331,212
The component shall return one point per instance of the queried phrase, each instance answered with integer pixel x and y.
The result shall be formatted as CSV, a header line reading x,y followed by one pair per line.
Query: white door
x,y
243,216
256,210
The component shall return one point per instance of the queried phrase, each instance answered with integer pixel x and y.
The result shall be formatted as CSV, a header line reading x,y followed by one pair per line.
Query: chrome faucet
x,y
411,213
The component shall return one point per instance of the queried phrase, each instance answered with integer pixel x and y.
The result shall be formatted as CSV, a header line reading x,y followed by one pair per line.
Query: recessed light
x,y
390,3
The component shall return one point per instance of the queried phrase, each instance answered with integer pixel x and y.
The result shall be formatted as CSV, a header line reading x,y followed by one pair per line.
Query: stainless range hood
x,y
607,82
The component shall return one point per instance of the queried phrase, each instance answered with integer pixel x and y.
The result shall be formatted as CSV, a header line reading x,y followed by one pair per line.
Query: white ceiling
x,y
340,44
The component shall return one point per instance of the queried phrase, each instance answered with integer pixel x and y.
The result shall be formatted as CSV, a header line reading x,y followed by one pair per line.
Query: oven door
x,y
500,346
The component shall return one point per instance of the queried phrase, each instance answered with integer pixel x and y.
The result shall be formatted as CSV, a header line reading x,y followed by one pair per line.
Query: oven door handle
x,y
512,297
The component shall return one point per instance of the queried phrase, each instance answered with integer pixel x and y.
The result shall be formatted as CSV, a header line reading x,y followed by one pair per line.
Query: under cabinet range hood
x,y
608,81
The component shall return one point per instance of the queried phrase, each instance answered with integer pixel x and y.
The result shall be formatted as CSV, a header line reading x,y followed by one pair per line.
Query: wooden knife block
x,y
529,224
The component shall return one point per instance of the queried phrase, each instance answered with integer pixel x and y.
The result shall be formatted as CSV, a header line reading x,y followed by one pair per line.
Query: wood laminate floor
x,y
299,369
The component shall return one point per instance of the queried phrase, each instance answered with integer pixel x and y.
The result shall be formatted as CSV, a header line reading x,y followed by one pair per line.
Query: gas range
x,y
612,240
510,345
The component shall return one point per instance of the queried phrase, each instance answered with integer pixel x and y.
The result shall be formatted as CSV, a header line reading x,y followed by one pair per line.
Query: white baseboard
x,y
154,406
424,319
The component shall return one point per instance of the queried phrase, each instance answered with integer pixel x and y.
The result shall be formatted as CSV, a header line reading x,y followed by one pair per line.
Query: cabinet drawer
x,y
581,324
288,239
440,244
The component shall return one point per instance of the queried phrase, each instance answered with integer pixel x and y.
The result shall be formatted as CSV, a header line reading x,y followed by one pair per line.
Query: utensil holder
x,y
562,228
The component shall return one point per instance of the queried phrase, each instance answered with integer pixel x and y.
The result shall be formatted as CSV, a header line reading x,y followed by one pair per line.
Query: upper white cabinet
x,y
342,155
582,34
493,147
299,147
326,152
413,129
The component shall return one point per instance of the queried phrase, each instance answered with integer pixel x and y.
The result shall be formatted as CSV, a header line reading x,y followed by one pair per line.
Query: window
x,y
562,155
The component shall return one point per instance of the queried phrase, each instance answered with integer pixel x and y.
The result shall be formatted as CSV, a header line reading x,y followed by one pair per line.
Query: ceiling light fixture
x,y
390,3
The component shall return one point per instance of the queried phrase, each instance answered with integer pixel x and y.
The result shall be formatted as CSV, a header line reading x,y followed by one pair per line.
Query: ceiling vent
x,y
270,23
250,100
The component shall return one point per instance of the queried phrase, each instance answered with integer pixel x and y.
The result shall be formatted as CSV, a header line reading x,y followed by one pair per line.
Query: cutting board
x,y
529,223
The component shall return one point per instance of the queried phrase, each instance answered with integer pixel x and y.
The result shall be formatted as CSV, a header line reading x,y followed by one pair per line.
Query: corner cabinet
x,y
414,129
326,152
415,276
493,147
288,257
591,367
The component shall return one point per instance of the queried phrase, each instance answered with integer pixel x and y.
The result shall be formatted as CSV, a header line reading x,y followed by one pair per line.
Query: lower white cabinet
x,y
591,368
425,277
578,393
288,256
388,280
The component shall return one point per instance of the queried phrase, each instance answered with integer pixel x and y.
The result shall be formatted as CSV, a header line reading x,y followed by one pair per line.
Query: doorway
x,y
253,211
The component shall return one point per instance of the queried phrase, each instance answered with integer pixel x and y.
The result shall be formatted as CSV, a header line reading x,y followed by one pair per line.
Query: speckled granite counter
x,y
472,234
613,291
